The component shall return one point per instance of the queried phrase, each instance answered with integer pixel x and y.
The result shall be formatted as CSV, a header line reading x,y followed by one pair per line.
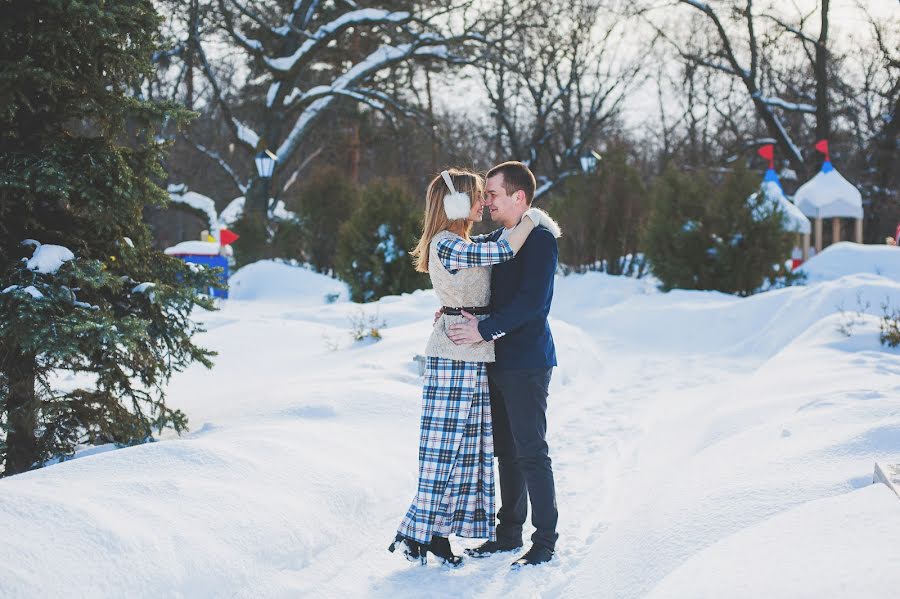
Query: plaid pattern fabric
x,y
457,253
492,236
456,472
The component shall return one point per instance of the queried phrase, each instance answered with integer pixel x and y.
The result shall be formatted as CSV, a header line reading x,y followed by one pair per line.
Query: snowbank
x,y
834,547
272,280
845,258
704,445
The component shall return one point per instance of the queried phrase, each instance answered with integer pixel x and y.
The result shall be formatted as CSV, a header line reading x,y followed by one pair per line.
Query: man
x,y
521,292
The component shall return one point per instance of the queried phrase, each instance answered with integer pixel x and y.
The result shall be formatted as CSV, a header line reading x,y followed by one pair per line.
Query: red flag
x,y
768,152
226,237
822,146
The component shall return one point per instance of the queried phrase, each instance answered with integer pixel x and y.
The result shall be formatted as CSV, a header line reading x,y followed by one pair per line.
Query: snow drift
x,y
704,446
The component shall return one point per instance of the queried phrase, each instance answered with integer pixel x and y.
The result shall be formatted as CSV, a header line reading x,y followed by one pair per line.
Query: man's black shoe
x,y
536,555
491,547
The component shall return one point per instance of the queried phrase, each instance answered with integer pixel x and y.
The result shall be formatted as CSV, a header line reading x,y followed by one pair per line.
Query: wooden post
x,y
835,230
805,247
859,230
818,235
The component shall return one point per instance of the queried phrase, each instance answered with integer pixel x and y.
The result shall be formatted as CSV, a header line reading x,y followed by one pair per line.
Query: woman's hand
x,y
542,219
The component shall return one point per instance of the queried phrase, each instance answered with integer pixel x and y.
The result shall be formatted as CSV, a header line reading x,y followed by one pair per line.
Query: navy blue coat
x,y
521,292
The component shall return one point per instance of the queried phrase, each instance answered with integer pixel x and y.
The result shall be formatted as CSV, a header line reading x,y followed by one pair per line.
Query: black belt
x,y
476,311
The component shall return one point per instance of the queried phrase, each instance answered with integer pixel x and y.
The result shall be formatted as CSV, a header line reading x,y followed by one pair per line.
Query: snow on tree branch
x,y
379,59
791,106
325,33
246,134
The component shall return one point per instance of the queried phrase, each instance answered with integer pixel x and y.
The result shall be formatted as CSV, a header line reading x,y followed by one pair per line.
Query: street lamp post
x,y
589,161
265,165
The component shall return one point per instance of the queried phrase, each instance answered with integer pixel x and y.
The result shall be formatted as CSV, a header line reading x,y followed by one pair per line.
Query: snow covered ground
x,y
704,446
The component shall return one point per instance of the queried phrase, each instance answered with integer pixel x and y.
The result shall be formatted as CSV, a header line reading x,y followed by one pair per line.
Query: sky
x,y
847,23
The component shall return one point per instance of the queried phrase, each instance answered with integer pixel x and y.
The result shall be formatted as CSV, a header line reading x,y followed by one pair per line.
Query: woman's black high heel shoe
x,y
412,550
440,547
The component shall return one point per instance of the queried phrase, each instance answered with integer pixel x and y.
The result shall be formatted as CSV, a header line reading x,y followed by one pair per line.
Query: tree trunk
x,y
194,19
22,408
823,120
353,150
256,202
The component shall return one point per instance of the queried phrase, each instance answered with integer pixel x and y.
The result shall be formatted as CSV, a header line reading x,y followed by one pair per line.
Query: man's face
x,y
505,209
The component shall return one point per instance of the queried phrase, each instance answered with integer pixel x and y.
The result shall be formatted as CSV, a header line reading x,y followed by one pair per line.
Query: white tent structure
x,y
794,218
830,195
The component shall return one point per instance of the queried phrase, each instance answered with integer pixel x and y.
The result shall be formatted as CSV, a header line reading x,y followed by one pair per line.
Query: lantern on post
x,y
265,165
589,161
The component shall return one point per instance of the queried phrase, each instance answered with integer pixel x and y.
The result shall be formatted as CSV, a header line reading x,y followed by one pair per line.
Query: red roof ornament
x,y
226,237
768,152
822,146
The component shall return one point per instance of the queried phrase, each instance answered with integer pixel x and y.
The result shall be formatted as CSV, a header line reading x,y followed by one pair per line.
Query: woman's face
x,y
477,212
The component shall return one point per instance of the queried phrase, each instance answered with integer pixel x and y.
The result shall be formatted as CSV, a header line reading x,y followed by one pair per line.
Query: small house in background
x,y
794,219
208,252
830,195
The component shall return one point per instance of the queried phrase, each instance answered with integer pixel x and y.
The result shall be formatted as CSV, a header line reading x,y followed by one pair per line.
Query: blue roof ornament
x,y
772,177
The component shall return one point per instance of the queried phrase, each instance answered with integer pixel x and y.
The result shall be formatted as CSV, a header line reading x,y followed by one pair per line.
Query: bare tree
x,y
556,76
305,57
876,118
743,44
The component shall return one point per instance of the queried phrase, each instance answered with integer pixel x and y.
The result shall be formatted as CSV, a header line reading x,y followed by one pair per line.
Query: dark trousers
x,y
519,413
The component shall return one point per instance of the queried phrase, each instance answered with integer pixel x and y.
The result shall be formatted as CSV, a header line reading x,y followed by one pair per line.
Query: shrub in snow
x,y
602,215
890,326
78,167
255,236
372,251
363,325
703,233
326,201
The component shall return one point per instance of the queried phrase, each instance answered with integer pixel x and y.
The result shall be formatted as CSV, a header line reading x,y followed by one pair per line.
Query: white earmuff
x,y
456,205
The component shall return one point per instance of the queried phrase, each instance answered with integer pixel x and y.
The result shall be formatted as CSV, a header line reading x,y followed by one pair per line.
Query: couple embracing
x,y
487,374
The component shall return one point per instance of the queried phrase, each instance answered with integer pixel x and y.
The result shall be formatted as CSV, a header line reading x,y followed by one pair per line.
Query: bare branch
x,y
296,174
217,158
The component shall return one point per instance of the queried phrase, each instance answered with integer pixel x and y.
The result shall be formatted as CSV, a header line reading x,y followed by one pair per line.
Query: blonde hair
x,y
435,218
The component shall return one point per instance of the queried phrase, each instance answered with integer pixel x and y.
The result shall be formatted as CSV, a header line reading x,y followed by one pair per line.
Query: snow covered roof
x,y
194,248
829,195
794,219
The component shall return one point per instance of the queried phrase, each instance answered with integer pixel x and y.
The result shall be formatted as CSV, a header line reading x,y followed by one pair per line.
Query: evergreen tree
x,y
712,235
79,162
373,246
602,215
326,202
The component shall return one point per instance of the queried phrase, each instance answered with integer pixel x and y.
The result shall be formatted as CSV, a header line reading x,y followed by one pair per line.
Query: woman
x,y
456,478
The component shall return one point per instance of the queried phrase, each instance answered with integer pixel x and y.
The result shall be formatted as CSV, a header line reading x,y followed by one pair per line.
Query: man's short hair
x,y
516,176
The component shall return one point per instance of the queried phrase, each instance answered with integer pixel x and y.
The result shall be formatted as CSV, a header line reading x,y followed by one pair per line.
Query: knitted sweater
x,y
460,273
